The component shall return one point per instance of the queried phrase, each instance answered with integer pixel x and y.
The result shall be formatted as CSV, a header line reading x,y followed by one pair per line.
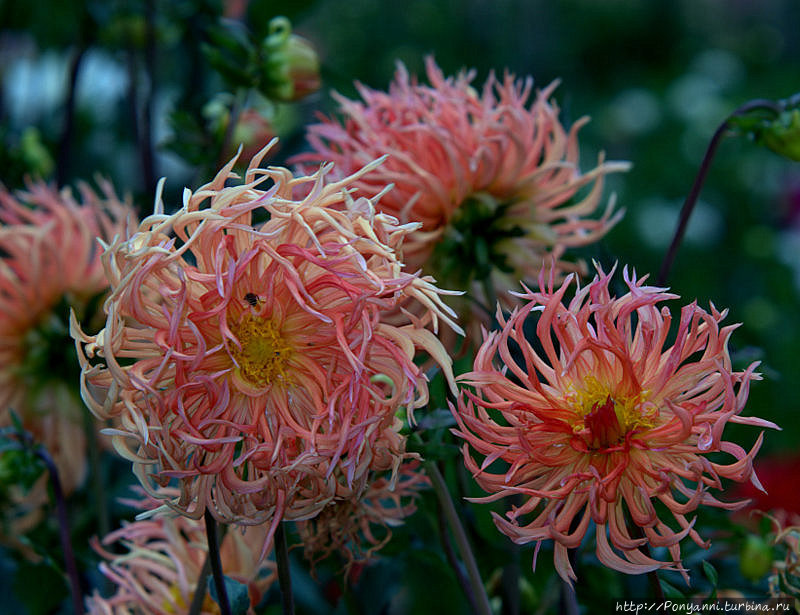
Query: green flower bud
x,y
291,67
782,135
755,559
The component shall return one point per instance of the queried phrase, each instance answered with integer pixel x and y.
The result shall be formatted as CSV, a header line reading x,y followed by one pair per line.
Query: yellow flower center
x,y
604,419
209,606
263,355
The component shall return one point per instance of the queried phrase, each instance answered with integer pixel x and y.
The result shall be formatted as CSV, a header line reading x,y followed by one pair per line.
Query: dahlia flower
x,y
160,569
49,261
493,177
350,523
249,361
605,422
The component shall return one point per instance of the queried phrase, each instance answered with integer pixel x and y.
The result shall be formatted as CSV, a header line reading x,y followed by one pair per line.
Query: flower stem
x,y
655,586
702,172
569,599
445,501
199,597
284,575
216,563
63,530
457,566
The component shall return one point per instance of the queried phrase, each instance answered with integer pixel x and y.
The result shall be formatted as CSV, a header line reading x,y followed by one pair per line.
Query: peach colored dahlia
x,y
604,422
358,524
49,262
492,176
249,361
162,563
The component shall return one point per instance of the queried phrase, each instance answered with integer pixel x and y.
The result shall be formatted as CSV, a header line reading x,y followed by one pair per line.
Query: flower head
x,y
358,524
493,178
249,361
49,263
159,572
605,422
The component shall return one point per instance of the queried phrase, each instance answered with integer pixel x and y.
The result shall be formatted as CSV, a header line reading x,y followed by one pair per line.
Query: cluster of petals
x,y
246,357
49,258
448,143
606,420
50,255
162,562
784,579
358,524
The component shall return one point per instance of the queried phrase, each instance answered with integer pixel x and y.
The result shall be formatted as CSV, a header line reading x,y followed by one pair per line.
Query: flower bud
x,y
756,558
782,135
291,68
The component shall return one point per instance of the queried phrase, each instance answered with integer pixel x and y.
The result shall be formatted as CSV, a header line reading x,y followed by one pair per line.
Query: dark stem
x,y
460,536
97,478
68,130
702,172
98,485
146,140
284,575
216,564
63,530
196,607
511,572
458,567
655,584
569,600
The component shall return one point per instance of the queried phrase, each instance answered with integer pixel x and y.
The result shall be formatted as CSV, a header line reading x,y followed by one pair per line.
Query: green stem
x,y
457,566
460,537
216,564
284,575
702,172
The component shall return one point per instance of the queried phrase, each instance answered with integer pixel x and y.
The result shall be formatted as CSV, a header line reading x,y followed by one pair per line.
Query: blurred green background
x,y
657,78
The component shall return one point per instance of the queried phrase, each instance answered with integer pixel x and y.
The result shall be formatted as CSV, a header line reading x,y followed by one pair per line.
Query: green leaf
x,y
671,592
238,597
710,572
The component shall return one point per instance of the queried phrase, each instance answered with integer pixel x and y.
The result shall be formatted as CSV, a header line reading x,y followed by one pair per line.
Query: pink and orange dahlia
x,y
604,422
245,354
159,571
49,263
493,177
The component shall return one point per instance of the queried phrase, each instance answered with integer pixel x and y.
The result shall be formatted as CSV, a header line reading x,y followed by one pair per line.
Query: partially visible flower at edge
x,y
350,523
493,179
159,572
249,362
784,579
604,421
50,262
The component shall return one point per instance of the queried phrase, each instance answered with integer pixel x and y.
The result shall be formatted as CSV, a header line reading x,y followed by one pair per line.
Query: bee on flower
x,y
602,421
248,361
